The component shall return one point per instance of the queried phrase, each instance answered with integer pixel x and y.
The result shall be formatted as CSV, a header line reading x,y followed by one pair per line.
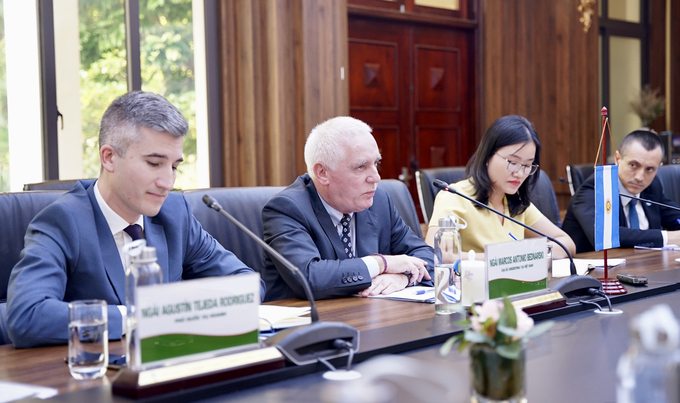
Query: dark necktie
x,y
135,231
346,236
633,215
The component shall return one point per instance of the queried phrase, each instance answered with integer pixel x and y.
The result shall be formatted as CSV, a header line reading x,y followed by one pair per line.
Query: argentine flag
x,y
606,207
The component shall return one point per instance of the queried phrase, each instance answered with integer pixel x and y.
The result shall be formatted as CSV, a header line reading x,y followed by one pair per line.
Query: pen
x,y
421,292
512,236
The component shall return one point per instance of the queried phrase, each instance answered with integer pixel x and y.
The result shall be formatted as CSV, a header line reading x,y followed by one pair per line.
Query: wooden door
x,y
414,85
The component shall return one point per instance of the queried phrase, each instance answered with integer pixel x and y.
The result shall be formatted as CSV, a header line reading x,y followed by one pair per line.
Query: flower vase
x,y
495,378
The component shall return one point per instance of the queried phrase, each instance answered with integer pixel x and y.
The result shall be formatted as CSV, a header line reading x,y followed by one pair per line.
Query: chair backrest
x,y
243,203
65,184
577,174
403,202
427,192
545,200
669,175
16,212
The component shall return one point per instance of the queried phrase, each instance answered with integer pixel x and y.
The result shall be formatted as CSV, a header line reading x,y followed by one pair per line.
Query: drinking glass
x,y
88,341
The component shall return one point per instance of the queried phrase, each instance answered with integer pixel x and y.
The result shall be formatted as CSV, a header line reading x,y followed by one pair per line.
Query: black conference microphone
x,y
652,202
301,344
574,286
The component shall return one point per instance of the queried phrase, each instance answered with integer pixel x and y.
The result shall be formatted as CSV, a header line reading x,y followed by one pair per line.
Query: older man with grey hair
x,y
73,248
337,226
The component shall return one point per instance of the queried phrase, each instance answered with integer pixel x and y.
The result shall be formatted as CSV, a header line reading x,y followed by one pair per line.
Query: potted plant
x,y
649,105
497,336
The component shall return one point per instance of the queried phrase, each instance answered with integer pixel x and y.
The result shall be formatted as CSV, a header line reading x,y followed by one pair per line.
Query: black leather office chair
x,y
426,190
403,202
545,200
16,212
243,203
577,174
669,175
66,184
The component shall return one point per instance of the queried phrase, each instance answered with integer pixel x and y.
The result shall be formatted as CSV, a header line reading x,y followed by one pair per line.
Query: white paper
x,y
419,293
14,391
281,317
560,268
667,247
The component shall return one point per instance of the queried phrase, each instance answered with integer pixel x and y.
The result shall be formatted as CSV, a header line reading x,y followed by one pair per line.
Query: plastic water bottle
x,y
447,254
143,271
648,370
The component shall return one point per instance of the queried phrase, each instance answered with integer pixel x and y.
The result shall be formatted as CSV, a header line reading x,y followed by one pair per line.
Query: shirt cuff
x,y
123,314
371,265
664,235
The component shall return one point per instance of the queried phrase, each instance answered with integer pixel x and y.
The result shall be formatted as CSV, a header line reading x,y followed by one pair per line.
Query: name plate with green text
x,y
516,267
194,319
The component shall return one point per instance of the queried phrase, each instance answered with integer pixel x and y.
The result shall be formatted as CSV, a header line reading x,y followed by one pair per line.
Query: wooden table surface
x,y
45,366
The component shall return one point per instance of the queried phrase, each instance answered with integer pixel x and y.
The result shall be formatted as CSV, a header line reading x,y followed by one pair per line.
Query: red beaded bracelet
x,y
384,261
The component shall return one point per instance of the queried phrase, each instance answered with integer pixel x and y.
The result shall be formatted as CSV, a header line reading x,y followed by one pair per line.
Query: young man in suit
x,y
73,248
337,226
640,224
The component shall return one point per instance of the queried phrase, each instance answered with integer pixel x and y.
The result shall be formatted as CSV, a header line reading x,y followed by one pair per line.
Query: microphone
x,y
301,344
573,287
651,202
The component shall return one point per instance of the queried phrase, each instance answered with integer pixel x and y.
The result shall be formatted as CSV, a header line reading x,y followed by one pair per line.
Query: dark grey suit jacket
x,y
297,225
579,222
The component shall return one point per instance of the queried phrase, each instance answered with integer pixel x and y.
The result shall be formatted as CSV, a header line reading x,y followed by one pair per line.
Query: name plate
x,y
516,267
188,320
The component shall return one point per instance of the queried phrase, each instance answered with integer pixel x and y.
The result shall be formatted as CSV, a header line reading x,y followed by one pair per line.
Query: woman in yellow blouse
x,y
501,174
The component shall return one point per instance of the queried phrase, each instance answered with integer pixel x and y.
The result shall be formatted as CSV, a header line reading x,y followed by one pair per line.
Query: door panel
x,y
414,84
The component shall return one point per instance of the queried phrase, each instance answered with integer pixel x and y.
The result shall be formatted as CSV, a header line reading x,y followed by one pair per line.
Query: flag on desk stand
x,y
606,207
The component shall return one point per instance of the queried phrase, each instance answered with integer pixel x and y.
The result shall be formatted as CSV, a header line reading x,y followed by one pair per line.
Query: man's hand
x,y
673,237
386,284
408,265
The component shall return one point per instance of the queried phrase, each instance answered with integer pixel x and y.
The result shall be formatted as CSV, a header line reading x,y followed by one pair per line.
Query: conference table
x,y
574,361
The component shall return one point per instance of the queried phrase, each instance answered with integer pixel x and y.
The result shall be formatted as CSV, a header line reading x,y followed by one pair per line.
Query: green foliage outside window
x,y
167,68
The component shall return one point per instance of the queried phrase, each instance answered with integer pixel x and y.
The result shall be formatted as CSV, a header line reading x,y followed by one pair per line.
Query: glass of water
x,y
88,342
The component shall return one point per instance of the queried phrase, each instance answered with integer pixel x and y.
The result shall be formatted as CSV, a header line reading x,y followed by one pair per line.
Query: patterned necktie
x,y
346,236
135,232
633,215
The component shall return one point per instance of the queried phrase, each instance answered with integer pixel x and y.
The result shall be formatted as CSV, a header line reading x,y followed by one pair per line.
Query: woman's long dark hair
x,y
505,131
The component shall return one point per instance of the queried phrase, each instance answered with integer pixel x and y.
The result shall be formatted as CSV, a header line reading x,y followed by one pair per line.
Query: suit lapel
x,y
367,233
155,236
651,211
325,221
109,251
622,215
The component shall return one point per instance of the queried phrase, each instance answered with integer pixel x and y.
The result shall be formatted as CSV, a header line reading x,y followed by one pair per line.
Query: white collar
x,y
624,191
336,216
116,222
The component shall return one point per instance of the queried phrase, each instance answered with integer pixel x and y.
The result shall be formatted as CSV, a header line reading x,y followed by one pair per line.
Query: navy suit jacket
x,y
70,254
579,222
297,225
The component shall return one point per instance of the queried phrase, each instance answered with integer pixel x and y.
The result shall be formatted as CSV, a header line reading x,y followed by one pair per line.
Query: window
x,y
87,62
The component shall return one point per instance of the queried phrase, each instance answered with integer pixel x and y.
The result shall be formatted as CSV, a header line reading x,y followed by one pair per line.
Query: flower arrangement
x,y
649,105
499,326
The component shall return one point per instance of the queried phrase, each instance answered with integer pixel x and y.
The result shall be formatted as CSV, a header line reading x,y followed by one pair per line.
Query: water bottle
x,y
142,271
447,254
648,370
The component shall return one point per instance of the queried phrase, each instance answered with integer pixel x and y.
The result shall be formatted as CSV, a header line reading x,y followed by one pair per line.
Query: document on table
x,y
281,317
14,391
667,247
561,266
418,293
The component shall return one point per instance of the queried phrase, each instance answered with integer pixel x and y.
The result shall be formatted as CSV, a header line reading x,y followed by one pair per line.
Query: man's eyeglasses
x,y
516,166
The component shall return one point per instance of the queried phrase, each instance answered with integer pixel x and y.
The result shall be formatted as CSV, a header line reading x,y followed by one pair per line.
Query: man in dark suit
x,y
641,224
73,248
337,226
